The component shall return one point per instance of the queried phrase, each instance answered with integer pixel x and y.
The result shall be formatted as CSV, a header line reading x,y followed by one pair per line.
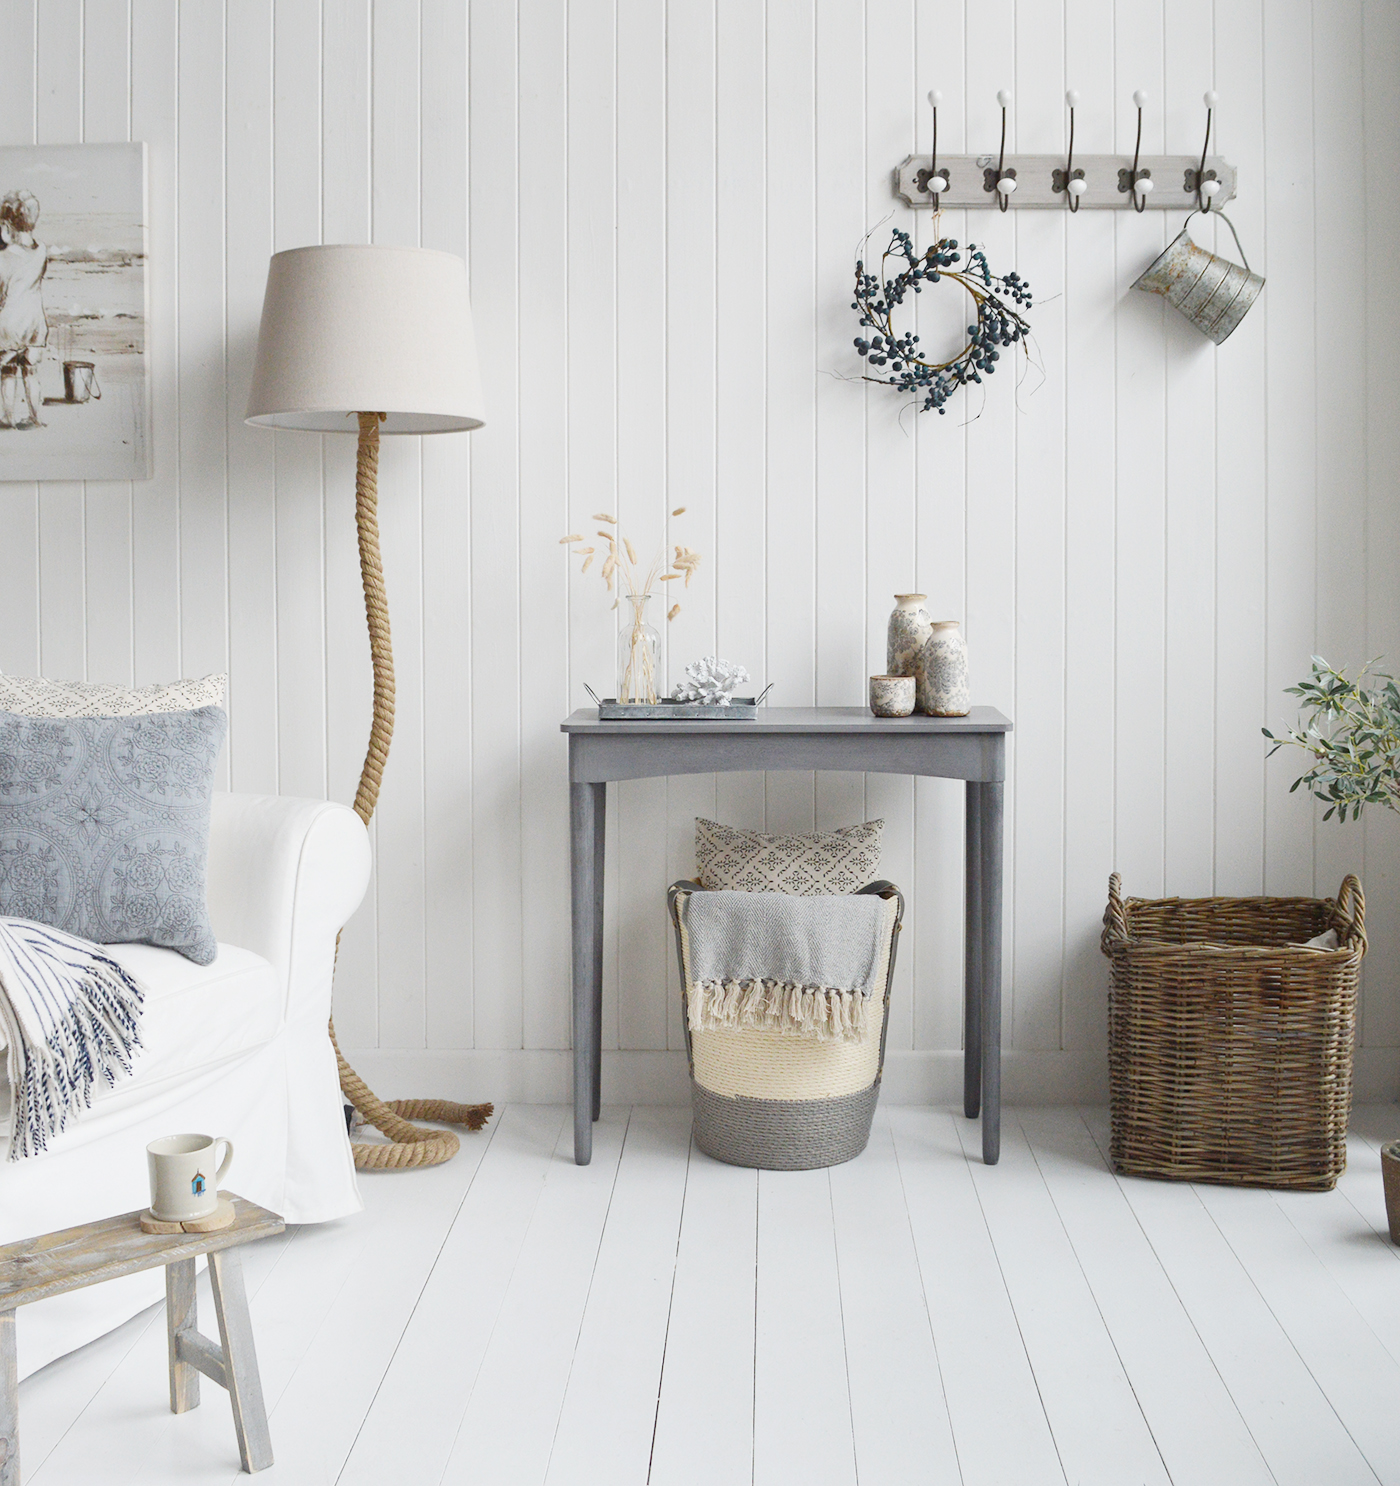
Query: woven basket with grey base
x,y
775,1101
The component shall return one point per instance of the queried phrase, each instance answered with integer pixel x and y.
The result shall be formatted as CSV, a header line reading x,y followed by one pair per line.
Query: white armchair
x,y
236,1048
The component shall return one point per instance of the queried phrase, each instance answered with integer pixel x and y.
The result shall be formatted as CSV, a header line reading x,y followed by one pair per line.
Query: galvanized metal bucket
x,y
1213,293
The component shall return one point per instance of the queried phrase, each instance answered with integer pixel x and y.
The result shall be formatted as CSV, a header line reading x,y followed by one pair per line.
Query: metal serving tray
x,y
740,709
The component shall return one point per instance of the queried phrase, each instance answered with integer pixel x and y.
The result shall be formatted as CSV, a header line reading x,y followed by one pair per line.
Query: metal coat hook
x,y
1069,180
1139,182
1206,186
1003,181
933,180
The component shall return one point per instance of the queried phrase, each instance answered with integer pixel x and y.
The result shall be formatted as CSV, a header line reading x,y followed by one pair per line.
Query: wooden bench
x,y
72,1259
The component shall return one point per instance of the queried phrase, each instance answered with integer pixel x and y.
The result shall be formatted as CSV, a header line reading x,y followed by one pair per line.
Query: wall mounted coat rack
x,y
1069,181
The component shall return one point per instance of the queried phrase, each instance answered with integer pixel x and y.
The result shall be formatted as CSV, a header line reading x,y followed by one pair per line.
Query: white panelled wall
x,y
661,202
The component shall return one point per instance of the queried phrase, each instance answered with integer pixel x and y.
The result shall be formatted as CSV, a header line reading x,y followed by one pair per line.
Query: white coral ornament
x,y
711,681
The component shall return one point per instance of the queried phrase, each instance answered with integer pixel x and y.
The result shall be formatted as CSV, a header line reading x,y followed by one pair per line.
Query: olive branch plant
x,y
1351,731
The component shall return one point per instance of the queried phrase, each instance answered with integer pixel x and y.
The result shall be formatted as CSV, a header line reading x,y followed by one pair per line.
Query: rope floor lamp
x,y
346,329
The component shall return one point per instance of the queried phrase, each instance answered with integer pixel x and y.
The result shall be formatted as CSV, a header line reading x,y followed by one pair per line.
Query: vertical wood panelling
x,y
1291,444
691,296
1038,822
1379,569
346,55
301,607
58,119
19,500
741,368
447,775
107,504
1145,537
640,267
396,206
544,518
1090,542
251,171
890,516
1187,846
1241,481
936,906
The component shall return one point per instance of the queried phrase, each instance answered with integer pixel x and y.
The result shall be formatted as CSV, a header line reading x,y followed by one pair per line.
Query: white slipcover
x,y
236,1048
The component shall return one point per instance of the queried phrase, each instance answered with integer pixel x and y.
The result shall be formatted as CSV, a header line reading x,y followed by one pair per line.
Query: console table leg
x,y
9,1402
991,874
240,1360
181,1315
587,803
972,957
600,813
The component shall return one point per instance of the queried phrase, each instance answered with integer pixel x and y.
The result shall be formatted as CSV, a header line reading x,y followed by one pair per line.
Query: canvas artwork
x,y
75,400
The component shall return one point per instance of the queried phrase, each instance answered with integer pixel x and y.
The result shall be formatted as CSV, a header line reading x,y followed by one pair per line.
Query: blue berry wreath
x,y
998,324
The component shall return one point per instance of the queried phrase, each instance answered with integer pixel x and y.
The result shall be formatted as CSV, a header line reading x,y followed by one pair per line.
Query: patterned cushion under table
x,y
781,1102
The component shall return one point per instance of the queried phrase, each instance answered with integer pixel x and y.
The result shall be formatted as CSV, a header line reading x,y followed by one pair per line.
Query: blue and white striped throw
x,y
70,1015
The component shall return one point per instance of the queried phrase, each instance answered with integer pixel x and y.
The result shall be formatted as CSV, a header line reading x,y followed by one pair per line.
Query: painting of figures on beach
x,y
75,400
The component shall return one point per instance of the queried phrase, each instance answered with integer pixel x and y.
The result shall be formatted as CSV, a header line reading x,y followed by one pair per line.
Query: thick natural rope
x,y
412,1145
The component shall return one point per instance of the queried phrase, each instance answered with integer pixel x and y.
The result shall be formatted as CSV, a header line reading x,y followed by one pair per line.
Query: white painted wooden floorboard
x,y
1295,1427
899,1411
1197,1427
998,1419
444,1339
1360,1260
801,1403
1094,1415
609,1409
513,1412
718,1325
704,1416
1348,1361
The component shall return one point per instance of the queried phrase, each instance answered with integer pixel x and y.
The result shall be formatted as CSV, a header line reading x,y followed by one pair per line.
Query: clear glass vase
x,y
638,649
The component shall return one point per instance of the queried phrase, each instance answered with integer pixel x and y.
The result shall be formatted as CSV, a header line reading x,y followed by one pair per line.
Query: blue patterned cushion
x,y
104,825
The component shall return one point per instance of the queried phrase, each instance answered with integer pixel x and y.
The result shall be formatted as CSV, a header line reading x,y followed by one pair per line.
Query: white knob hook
x,y
1206,190
1075,186
1006,182
937,181
1140,180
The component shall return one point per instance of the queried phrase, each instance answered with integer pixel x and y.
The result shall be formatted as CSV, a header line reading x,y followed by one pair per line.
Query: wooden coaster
x,y
221,1217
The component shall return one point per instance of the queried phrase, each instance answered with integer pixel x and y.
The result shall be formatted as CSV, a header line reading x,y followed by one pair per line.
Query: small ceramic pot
x,y
908,632
1390,1175
942,673
892,696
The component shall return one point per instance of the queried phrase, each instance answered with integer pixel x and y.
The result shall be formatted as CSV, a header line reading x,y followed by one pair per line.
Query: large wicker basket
x,y
1230,1045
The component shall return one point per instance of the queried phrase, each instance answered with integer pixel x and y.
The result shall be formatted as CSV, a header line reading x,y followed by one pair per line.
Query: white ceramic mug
x,y
184,1178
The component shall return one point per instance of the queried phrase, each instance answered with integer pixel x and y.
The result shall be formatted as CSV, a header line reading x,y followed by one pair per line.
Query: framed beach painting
x,y
75,396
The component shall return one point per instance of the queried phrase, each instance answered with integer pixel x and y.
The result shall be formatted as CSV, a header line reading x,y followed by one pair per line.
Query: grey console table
x,y
972,748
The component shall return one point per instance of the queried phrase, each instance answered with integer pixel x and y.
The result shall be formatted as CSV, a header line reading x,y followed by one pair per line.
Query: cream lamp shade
x,y
347,330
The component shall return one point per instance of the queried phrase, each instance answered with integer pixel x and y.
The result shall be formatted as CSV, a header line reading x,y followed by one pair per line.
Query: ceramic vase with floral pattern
x,y
908,633
942,672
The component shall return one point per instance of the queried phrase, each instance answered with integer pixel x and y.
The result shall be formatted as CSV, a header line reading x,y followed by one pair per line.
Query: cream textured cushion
x,y
37,696
825,862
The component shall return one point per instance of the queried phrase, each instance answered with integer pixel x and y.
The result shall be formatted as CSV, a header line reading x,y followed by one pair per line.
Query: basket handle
x,y
1115,918
1351,907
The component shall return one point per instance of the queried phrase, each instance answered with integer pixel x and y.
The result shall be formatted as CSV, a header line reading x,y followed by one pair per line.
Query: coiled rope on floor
x,y
409,1144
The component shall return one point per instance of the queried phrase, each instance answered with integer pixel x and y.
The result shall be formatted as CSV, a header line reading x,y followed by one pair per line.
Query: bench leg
x,y
9,1402
240,1360
181,1315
